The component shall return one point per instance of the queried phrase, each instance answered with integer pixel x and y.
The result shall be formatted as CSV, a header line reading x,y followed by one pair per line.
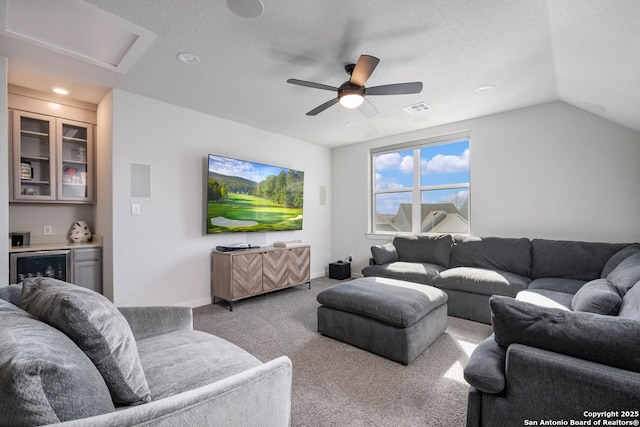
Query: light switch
x,y
135,209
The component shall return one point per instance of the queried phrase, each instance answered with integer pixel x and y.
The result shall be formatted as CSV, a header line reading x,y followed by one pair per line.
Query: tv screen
x,y
247,196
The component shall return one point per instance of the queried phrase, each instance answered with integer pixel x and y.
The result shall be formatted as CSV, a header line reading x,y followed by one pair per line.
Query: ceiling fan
x,y
351,94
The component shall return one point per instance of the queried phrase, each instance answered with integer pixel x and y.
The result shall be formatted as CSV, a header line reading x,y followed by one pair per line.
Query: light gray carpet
x,y
335,384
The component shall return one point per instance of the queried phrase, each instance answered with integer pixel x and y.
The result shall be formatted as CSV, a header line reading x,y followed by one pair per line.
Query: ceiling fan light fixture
x,y
351,100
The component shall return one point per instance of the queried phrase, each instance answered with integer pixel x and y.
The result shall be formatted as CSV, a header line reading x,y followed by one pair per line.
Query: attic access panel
x,y
77,29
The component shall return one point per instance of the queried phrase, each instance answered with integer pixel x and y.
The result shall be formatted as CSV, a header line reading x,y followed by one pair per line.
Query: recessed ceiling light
x,y
351,125
60,91
188,58
249,9
485,88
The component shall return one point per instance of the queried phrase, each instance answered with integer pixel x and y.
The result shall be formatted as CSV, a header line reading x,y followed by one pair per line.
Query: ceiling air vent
x,y
417,108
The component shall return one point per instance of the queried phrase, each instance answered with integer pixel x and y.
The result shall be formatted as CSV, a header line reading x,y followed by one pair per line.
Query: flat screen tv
x,y
246,196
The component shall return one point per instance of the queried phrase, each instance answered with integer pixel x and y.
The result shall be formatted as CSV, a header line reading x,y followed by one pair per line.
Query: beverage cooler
x,y
55,264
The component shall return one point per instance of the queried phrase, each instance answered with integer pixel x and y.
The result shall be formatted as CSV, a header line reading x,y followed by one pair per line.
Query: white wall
x,y
162,256
4,177
550,171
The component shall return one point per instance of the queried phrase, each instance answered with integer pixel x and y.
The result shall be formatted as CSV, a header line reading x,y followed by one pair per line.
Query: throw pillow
x,y
45,377
626,274
97,327
631,303
611,340
598,296
618,257
384,254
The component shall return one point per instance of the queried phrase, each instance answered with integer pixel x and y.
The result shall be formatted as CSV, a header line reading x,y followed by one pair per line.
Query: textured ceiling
x,y
584,52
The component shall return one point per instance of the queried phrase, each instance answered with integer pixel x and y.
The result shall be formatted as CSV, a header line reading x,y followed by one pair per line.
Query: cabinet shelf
x,y
34,158
33,133
34,182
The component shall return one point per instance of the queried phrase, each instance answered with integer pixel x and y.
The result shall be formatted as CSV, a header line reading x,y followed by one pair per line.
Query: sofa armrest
x,y
485,369
259,396
149,321
545,385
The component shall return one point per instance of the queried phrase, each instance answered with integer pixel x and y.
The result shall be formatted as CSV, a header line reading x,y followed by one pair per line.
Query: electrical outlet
x,y
135,209
47,230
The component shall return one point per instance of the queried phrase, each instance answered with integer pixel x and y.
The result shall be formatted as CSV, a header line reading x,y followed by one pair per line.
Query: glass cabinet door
x,y
75,154
34,157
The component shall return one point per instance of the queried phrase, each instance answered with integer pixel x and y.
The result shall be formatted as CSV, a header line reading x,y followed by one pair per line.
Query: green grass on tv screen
x,y
244,212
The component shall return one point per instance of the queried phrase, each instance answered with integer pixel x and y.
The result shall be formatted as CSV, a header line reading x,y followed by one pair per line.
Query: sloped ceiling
x,y
583,52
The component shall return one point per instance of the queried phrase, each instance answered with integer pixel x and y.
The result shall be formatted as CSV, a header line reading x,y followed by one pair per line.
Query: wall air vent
x,y
77,29
417,108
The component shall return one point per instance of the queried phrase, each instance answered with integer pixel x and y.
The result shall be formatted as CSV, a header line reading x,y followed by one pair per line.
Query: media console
x,y
244,273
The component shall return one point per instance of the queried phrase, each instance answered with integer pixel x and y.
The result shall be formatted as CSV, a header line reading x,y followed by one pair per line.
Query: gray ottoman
x,y
388,317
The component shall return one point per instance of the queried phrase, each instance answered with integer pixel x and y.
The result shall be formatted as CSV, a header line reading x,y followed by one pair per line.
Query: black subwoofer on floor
x,y
340,270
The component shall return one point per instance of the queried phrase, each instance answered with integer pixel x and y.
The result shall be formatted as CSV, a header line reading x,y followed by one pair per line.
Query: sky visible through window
x,y
440,165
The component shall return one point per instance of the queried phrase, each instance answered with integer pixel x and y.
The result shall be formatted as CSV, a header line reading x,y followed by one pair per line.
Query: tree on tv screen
x,y
285,189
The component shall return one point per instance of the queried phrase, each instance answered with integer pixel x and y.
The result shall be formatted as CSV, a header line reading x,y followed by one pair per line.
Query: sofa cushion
x,y
631,303
45,377
597,296
485,369
611,340
626,274
408,271
176,362
481,281
618,257
568,286
493,253
97,327
383,254
545,298
391,301
570,259
424,249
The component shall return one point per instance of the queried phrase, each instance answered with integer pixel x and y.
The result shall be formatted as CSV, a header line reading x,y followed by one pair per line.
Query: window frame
x,y
416,190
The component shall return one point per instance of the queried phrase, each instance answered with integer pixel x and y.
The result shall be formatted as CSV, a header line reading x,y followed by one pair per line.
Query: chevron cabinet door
x,y
299,268
247,274
275,270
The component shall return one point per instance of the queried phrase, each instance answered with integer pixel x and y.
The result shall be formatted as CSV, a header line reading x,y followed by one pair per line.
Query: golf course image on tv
x,y
246,196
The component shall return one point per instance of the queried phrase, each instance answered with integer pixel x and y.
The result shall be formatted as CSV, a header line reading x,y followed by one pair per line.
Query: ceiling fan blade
x,y
368,109
321,108
365,66
311,84
395,89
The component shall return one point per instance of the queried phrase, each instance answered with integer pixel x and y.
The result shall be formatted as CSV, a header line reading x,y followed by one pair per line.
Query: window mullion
x,y
416,199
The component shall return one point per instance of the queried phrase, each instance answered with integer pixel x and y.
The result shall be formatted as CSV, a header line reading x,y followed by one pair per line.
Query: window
x,y
421,187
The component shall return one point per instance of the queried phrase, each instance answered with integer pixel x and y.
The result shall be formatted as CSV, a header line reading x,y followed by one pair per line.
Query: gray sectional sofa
x,y
550,360
69,357
470,269
565,348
